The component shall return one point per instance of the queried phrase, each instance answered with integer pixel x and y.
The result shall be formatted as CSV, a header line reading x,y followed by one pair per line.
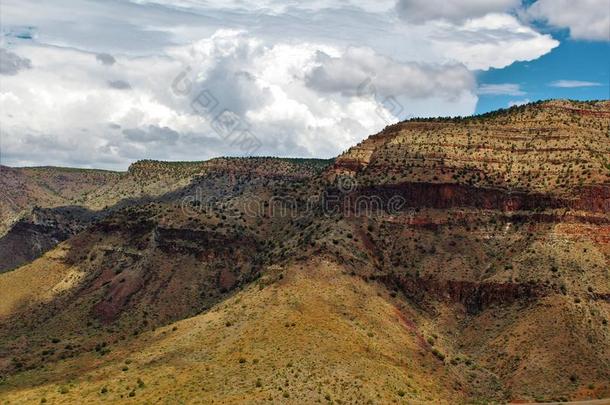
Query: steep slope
x,y
303,334
505,215
37,283
39,231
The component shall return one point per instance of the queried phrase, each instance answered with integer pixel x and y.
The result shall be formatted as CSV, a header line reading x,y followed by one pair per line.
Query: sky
x,y
102,84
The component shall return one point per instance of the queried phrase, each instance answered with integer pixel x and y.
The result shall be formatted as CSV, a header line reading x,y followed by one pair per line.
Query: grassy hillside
x,y
295,336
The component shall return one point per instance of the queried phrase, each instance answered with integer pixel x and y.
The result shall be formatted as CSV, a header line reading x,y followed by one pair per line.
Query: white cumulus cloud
x,y
112,114
586,19
349,73
495,40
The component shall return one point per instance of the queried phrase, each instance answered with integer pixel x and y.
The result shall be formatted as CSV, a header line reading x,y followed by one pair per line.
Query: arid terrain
x,y
445,261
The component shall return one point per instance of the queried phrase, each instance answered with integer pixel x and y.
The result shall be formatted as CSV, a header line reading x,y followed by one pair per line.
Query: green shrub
x,y
438,354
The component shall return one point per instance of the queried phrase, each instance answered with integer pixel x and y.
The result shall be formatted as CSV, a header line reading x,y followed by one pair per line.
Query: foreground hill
x,y
304,334
443,261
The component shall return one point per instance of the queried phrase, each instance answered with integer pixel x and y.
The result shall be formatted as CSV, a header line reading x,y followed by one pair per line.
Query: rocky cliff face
x,y
531,148
592,199
39,231
474,296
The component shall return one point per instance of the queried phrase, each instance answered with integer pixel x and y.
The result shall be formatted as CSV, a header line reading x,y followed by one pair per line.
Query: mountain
x,y
454,260
48,205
